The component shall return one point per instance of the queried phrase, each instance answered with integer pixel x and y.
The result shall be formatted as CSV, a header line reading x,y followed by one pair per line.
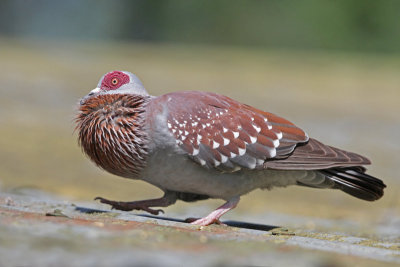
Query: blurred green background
x,y
332,67
351,25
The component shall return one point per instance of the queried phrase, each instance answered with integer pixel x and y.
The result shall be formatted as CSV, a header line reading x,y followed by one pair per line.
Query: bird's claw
x,y
103,200
156,212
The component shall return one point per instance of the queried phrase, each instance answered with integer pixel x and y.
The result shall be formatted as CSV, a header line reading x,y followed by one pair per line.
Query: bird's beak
x,y
94,91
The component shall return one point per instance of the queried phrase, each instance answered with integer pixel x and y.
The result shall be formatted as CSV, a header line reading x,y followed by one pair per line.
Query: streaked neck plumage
x,y
112,133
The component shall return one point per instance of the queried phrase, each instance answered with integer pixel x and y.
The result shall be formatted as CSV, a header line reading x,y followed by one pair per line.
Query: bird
x,y
197,145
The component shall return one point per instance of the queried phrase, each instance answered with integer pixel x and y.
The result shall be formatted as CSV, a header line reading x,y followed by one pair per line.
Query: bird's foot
x,y
128,206
214,216
204,221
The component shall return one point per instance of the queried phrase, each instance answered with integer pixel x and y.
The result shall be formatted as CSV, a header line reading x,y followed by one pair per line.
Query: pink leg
x,y
168,199
214,216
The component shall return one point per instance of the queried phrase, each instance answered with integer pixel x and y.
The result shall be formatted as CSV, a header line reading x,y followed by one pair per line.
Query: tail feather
x,y
354,181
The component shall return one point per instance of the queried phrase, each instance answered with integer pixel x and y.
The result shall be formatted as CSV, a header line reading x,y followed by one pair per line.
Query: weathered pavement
x,y
37,229
343,99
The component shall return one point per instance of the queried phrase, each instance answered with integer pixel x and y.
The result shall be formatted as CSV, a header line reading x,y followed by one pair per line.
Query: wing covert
x,y
219,132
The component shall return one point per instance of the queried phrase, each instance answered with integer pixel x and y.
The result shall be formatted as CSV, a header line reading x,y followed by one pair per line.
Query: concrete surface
x,y
38,229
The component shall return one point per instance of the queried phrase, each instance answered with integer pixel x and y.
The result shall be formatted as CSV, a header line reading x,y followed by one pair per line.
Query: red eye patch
x,y
114,80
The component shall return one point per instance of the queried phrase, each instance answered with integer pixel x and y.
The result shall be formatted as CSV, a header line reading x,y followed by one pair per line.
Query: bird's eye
x,y
114,81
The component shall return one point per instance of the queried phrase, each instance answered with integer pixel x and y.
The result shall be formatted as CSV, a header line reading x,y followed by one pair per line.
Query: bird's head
x,y
118,82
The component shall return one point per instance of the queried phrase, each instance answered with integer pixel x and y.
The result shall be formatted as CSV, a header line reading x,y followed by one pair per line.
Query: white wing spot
x,y
279,135
186,132
276,142
169,125
226,141
215,145
233,155
183,137
224,129
173,131
258,129
242,151
202,162
216,163
195,151
253,139
235,134
224,159
273,153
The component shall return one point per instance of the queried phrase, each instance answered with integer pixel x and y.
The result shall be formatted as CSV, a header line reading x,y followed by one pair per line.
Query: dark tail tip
x,y
354,181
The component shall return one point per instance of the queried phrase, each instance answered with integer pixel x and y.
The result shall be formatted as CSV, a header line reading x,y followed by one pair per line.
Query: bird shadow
x,y
232,223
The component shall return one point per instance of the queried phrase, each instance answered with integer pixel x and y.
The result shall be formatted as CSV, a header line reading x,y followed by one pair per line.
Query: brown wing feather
x,y
315,155
219,132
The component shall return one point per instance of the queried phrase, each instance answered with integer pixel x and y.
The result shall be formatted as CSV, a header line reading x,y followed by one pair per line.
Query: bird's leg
x,y
169,198
214,216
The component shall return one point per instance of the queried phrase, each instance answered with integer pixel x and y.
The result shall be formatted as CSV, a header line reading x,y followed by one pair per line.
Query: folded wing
x,y
219,132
